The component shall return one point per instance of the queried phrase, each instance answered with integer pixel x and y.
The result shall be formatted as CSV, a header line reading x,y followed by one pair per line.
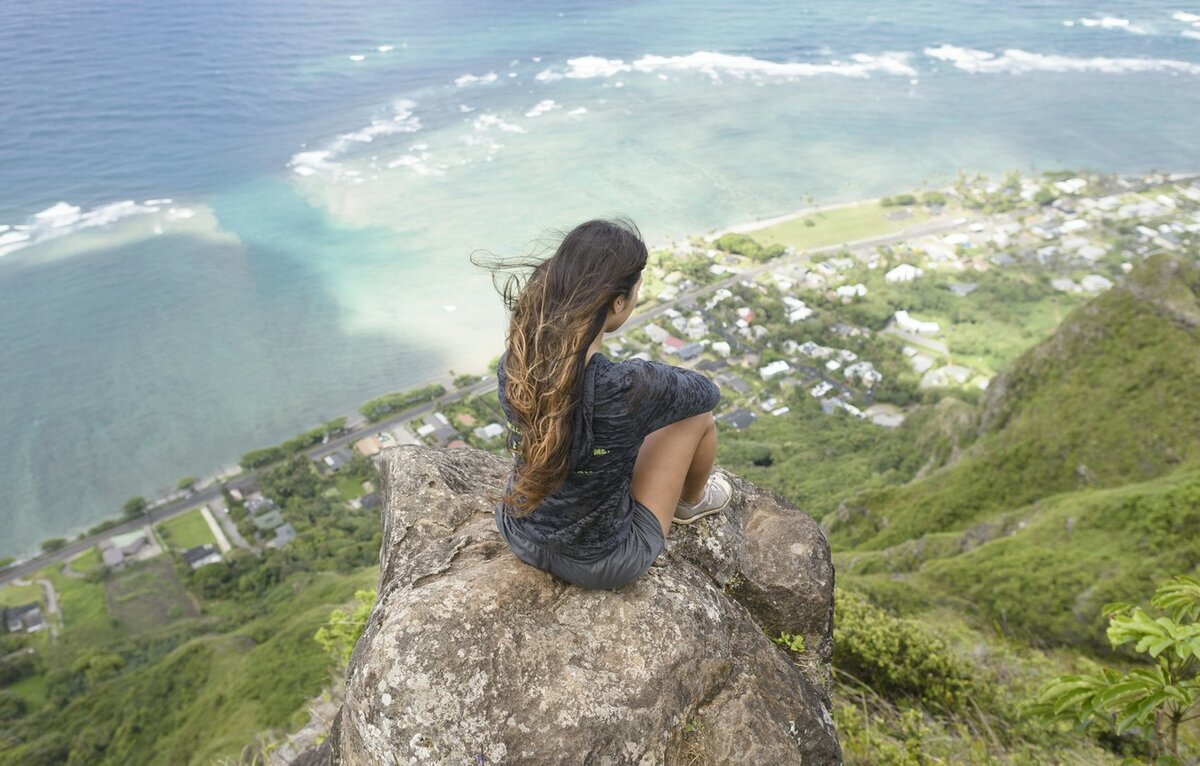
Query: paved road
x,y
244,481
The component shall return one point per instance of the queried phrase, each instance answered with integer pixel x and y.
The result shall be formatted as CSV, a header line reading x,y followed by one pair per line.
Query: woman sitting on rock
x,y
606,454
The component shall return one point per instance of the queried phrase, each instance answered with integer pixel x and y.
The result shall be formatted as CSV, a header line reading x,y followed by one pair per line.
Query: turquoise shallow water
x,y
329,166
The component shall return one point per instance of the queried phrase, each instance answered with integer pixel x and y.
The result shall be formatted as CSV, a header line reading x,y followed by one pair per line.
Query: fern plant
x,y
1155,699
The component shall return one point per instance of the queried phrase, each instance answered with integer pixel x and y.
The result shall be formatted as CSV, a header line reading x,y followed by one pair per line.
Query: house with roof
x,y
201,555
656,333
740,418
24,619
905,272
335,460
119,550
774,368
733,381
488,432
268,521
284,534
438,428
672,344
912,324
258,503
689,351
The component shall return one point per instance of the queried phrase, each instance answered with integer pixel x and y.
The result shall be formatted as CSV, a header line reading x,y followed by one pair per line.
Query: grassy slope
x,y
210,696
1110,398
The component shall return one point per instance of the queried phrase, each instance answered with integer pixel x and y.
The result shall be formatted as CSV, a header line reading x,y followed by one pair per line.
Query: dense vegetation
x,y
1074,483
140,675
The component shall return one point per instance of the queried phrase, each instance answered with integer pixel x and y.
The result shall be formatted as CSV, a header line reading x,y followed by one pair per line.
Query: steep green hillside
x,y
204,699
1112,397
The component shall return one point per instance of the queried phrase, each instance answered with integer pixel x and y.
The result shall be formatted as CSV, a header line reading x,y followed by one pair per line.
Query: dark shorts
x,y
628,562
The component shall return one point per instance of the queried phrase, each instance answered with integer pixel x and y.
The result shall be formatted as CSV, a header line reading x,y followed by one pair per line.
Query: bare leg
x,y
674,462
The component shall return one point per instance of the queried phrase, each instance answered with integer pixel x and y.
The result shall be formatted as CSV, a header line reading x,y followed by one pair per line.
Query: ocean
x,y
222,223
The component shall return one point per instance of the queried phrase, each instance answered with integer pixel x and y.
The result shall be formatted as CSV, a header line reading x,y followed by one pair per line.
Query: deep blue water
x,y
278,288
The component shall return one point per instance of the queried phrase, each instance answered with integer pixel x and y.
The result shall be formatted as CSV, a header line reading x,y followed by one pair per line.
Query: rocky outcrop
x,y
471,656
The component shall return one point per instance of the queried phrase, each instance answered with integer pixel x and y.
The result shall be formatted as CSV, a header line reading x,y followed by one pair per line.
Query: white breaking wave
x,y
1111,22
541,108
578,110
487,121
473,79
322,160
1186,18
63,218
357,57
1191,33
717,64
1015,61
385,48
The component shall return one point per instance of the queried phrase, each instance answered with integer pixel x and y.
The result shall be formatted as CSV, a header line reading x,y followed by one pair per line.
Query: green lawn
x,y
16,595
31,689
349,487
187,531
834,227
88,561
86,621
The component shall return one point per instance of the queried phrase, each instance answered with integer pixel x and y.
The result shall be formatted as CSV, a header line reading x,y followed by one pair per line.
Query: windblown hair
x,y
554,317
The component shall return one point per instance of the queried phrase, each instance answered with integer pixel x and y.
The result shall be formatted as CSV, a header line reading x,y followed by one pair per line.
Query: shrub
x,y
895,656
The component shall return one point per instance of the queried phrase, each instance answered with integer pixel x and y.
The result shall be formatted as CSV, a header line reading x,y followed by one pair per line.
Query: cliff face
x,y
471,656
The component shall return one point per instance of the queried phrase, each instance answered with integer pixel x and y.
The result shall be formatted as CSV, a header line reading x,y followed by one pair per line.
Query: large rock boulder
x,y
470,656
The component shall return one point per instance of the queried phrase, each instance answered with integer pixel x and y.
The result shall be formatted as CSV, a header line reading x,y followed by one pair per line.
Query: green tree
x,y
1153,699
134,507
343,630
53,544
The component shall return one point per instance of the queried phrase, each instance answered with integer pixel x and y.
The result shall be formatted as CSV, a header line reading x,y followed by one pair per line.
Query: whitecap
x,y
471,79
1015,61
64,218
543,106
418,163
385,48
163,201
59,215
487,120
1185,17
449,307
512,74
1193,34
322,160
1068,23
465,109
1111,22
536,59
578,111
717,64
357,57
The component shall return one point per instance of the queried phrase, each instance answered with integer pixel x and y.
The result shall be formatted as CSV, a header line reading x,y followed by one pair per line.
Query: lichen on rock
x,y
470,656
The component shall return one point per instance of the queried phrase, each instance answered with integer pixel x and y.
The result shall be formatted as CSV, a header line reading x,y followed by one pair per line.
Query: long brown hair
x,y
555,314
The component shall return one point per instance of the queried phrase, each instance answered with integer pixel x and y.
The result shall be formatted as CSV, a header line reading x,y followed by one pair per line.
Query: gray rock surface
x,y
470,656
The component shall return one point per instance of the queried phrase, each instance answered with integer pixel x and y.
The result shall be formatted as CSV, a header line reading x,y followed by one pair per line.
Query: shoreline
x,y
355,419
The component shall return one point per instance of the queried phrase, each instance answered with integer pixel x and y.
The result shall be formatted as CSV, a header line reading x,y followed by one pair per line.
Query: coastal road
x,y
246,480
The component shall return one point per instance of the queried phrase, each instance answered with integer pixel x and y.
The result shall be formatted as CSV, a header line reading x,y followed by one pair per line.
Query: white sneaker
x,y
717,494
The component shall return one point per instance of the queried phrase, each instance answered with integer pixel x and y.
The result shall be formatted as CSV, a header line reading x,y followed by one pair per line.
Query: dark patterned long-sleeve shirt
x,y
590,514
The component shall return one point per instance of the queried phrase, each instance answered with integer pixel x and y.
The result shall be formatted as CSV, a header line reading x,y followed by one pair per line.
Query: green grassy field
x,y
17,595
834,227
349,487
187,531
